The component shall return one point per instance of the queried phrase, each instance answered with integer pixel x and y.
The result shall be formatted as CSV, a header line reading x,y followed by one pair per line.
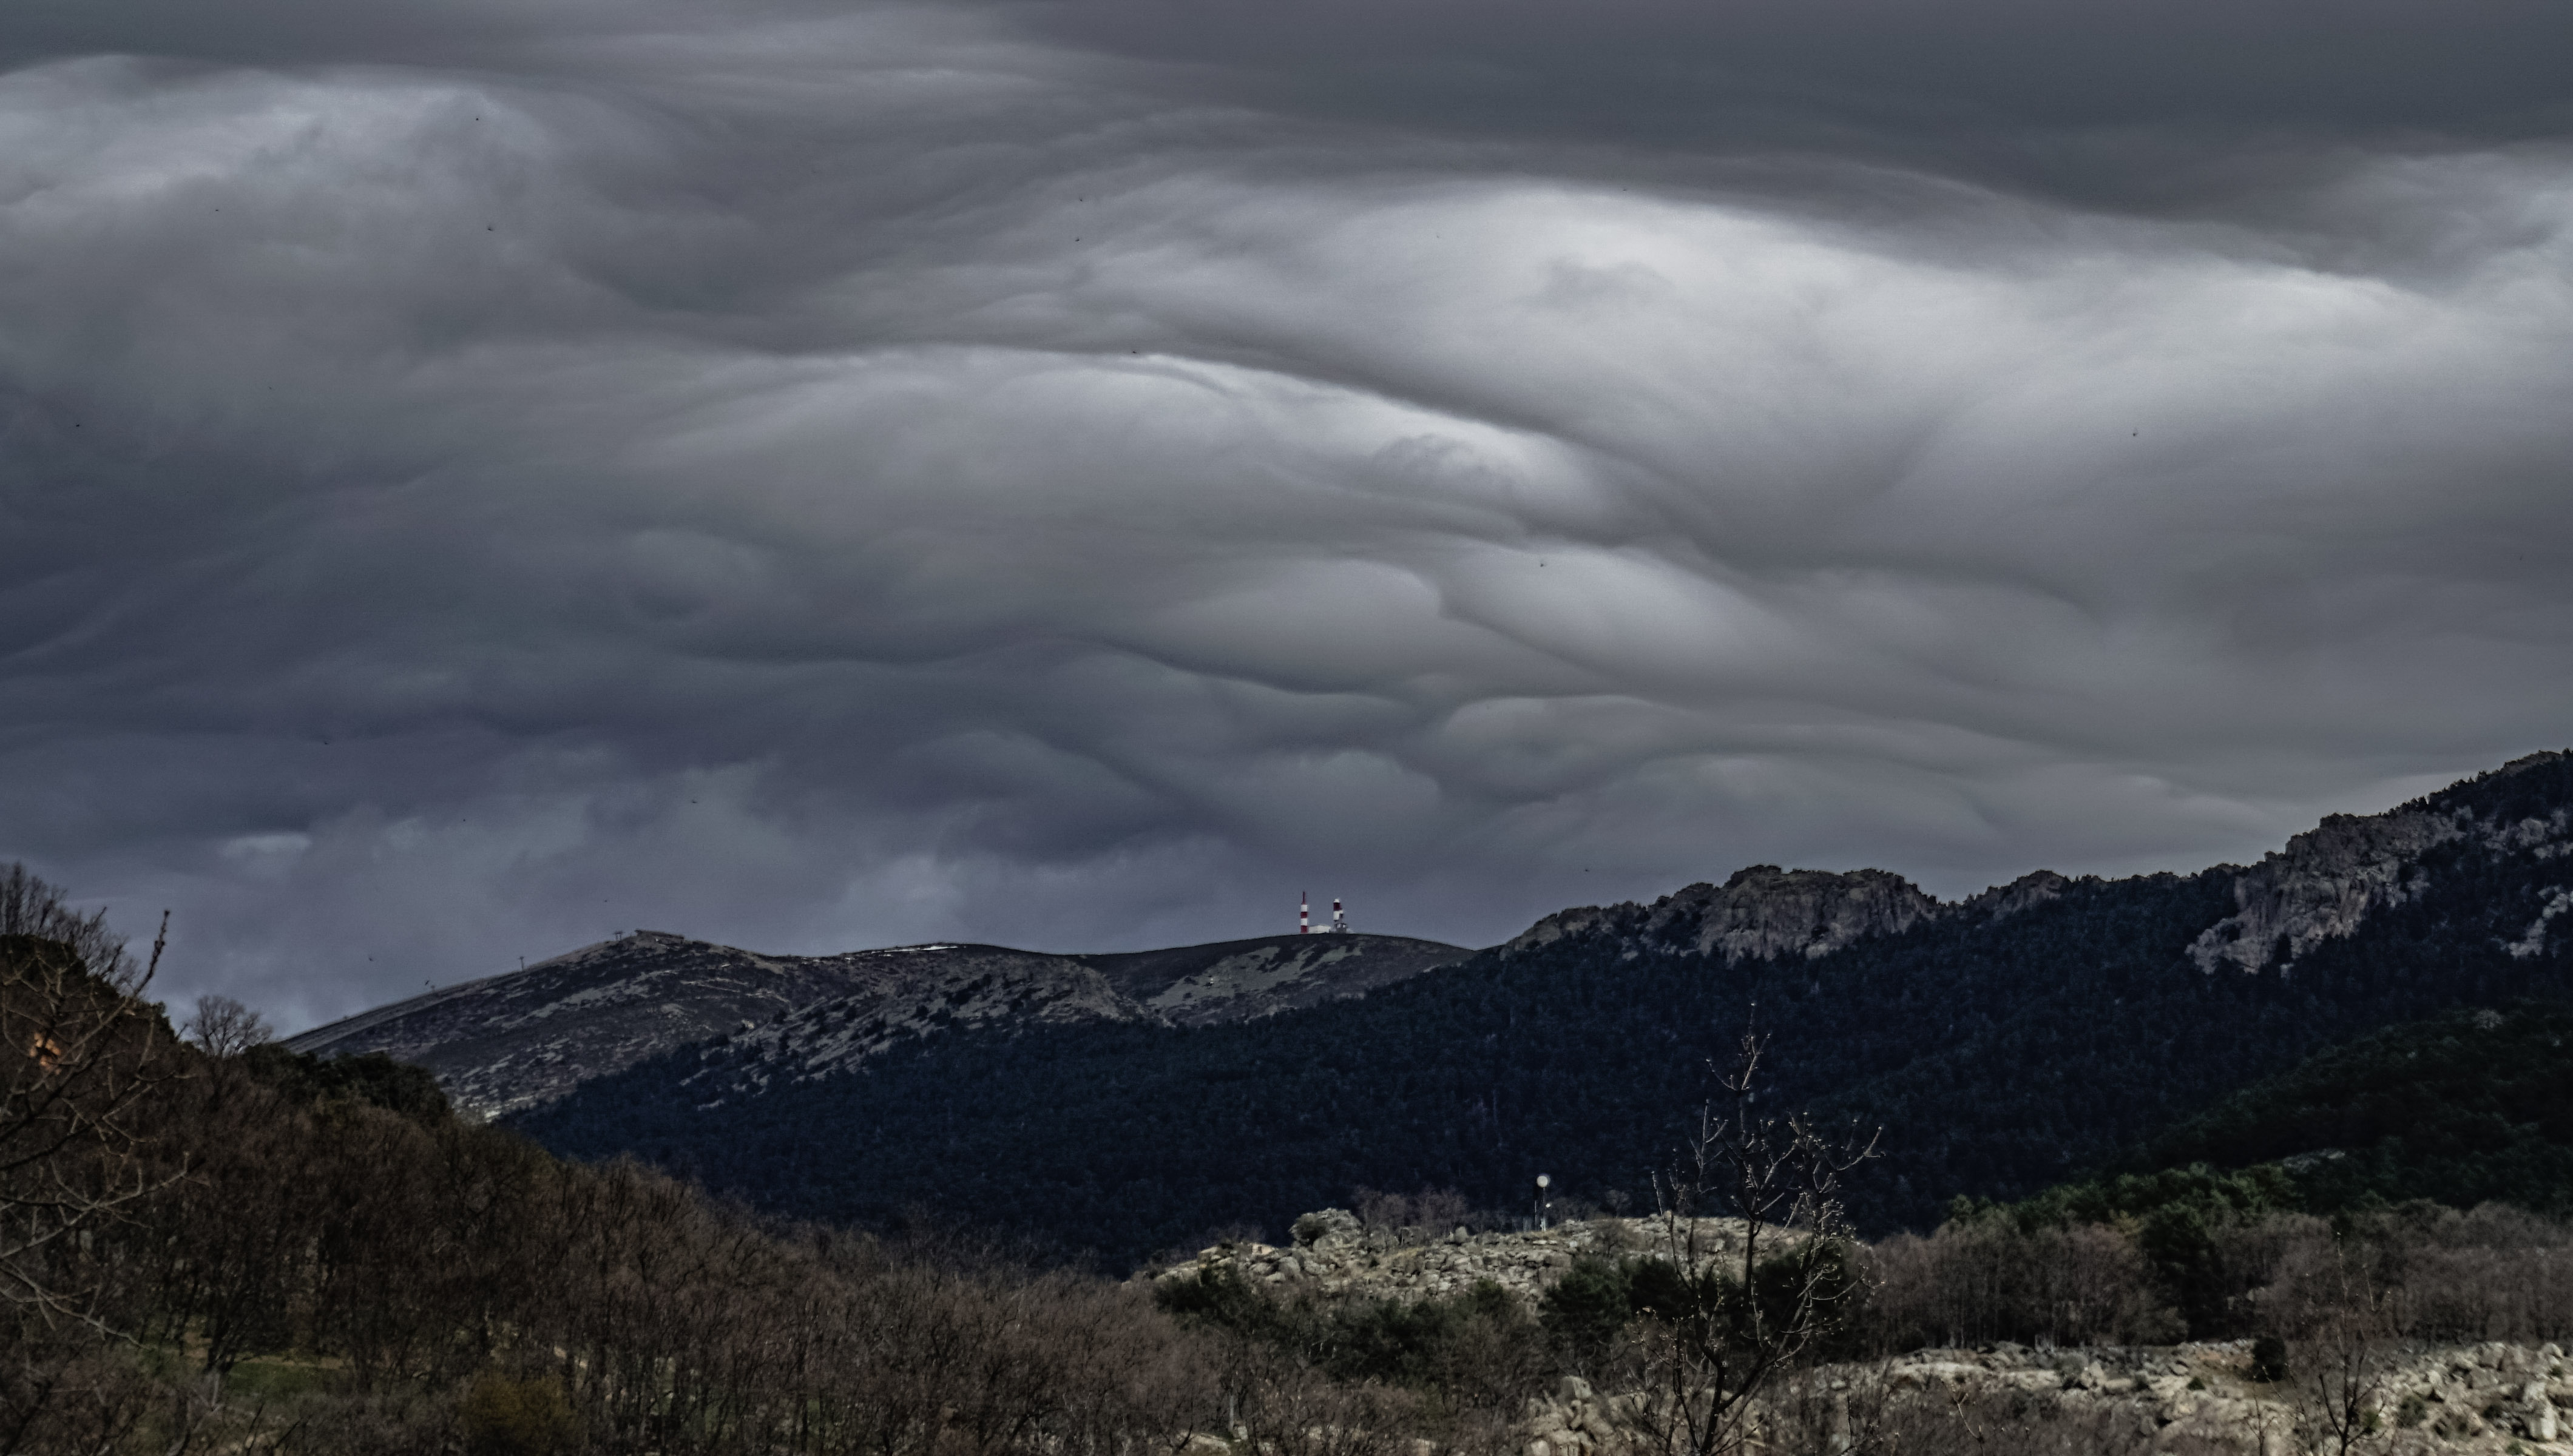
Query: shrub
x,y
1586,1308
2268,1359
501,1416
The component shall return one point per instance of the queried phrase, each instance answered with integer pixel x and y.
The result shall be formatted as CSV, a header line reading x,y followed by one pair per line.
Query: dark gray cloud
x,y
473,478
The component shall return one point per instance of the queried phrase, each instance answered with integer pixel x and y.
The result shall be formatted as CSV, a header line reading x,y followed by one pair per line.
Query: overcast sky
x,y
476,475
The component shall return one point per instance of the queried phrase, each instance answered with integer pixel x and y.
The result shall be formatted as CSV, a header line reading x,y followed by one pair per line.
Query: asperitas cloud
x,y
1071,476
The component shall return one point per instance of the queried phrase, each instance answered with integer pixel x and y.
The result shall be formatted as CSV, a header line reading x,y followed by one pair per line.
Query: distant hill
x,y
509,1042
2003,1042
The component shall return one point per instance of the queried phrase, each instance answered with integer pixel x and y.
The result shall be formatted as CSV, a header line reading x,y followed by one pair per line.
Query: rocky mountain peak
x,y
1761,913
2328,878
1764,912
2027,892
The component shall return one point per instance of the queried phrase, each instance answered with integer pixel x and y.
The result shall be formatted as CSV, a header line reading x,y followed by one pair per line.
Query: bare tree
x,y
79,1050
29,907
1759,1271
223,1028
2344,1363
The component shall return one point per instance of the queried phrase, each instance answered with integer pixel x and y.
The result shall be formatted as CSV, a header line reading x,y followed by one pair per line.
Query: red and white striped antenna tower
x,y
1303,914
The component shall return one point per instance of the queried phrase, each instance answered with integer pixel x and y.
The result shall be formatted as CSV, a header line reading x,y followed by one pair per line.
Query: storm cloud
x,y
477,477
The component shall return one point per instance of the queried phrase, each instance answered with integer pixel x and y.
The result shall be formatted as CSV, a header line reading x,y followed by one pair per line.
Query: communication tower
x,y
1304,915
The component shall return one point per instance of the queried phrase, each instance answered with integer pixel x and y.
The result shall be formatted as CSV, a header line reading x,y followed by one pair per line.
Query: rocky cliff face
x,y
2327,879
2322,884
1762,913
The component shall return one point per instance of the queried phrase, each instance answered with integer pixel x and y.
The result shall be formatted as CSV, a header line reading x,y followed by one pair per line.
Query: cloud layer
x,y
1072,476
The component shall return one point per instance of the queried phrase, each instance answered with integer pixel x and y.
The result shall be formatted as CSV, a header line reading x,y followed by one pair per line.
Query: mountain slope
x,y
509,1043
974,988
1236,981
2003,1042
2470,1107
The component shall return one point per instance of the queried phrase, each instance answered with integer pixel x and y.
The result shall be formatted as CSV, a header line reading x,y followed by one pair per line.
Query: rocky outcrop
x,y
1763,913
2322,884
2328,880
2532,940
2026,893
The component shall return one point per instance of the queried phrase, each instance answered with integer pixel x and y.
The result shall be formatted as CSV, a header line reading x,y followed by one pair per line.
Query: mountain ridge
x,y
2003,1042
509,1043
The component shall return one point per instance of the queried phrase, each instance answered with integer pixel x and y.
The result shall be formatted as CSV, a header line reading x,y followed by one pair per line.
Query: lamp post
x,y
1539,1207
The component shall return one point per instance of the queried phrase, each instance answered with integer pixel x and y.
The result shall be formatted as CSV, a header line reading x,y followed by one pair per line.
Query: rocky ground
x,y
2493,1397
2189,1398
2199,1399
1335,1255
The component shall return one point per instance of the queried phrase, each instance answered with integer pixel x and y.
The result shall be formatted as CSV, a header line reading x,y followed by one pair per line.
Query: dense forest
x,y
2472,1106
2000,1053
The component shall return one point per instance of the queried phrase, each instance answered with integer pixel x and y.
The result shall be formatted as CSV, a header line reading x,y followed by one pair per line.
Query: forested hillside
x,y
2002,1049
2470,1107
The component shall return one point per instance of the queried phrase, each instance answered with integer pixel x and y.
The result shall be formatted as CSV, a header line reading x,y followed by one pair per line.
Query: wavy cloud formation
x,y
1073,475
